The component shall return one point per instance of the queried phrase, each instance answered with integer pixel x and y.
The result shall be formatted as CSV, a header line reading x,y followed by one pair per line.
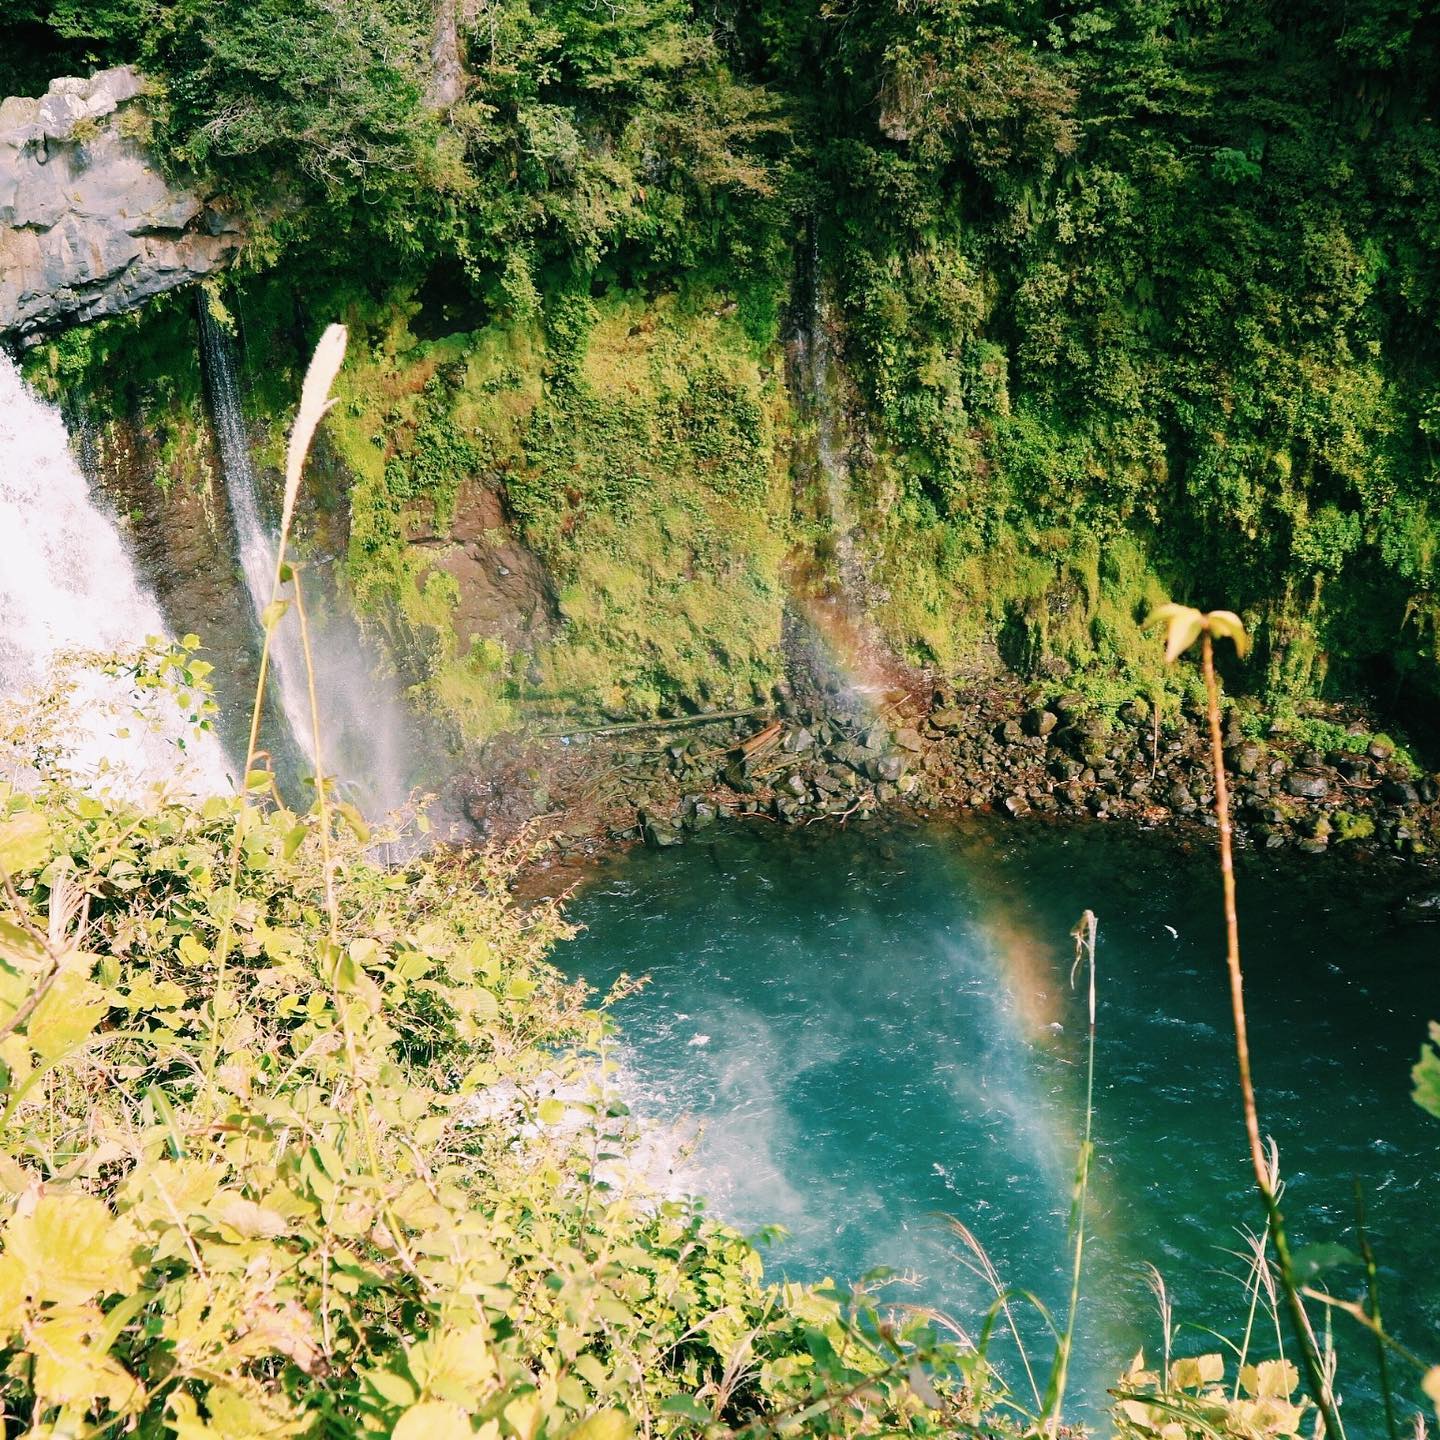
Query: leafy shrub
x,y
264,1173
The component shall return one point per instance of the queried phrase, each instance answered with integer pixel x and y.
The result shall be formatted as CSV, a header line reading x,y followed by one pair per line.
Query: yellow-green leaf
x,y
72,1248
24,842
1226,624
433,1420
272,614
1182,628
607,1425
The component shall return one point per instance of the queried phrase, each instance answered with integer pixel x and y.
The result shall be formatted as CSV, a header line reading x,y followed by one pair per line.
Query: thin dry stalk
x,y
1084,933
1156,1281
314,401
981,1265
1316,1374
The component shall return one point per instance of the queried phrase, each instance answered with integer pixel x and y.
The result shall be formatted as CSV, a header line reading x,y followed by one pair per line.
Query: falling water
x,y
69,587
814,366
835,635
366,732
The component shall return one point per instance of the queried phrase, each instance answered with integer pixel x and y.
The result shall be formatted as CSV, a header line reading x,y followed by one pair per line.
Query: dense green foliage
x,y
293,1143
1130,295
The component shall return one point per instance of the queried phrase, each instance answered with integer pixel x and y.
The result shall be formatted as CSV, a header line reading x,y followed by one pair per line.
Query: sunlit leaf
x,y
607,1425
24,842
1426,1074
1225,624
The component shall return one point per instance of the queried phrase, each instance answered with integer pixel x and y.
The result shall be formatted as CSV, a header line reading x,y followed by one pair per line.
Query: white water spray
x,y
68,586
365,728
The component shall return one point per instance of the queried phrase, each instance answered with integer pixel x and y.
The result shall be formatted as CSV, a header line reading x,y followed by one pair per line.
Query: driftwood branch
x,y
632,725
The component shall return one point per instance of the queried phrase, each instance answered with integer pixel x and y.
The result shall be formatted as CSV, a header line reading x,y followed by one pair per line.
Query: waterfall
x,y
813,363
68,587
829,633
366,731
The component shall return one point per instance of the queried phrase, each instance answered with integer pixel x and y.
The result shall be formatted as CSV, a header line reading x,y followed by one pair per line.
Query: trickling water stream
x,y
367,734
68,585
874,1028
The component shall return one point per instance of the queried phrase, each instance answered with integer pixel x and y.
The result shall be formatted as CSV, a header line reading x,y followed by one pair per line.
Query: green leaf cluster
x,y
262,1178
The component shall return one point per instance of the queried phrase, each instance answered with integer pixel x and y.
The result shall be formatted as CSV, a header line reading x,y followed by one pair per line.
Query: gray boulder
x,y
89,225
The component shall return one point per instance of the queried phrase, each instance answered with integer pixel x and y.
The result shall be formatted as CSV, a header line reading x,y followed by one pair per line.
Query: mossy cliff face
x,y
578,512
1126,303
574,511
588,507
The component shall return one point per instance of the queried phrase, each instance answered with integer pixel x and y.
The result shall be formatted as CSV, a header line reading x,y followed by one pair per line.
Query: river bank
x,y
987,748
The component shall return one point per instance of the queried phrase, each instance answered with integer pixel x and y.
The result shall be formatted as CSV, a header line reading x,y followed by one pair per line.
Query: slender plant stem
x,y
1317,1381
1372,1286
1085,933
340,999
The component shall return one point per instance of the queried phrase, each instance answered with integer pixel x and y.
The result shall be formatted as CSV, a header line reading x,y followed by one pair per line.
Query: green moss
x,y
1347,826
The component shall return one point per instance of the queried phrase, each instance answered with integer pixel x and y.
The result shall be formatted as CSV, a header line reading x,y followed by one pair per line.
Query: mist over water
x,y
875,1027
367,733
67,585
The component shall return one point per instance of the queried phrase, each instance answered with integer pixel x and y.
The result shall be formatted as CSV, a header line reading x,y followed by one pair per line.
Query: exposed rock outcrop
x,y
89,225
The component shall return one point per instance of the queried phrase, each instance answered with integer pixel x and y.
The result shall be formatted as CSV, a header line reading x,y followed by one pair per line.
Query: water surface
x,y
874,1028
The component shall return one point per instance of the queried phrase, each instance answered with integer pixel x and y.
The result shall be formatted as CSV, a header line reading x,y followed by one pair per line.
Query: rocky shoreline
x,y
841,760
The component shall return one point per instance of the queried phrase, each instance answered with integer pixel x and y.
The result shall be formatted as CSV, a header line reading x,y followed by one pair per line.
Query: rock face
x,y
89,226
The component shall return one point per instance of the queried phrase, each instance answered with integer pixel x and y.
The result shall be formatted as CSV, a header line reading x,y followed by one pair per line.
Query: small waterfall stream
x,y
69,586
813,365
367,734
830,585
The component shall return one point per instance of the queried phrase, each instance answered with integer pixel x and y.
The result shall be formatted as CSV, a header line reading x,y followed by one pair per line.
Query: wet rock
x,y
660,835
890,767
1016,804
1380,748
1039,722
796,785
1400,792
703,815
1313,845
1243,759
1177,797
1307,784
736,778
1423,908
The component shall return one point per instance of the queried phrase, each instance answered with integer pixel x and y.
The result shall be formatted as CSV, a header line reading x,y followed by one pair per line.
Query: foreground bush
x,y
318,1188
